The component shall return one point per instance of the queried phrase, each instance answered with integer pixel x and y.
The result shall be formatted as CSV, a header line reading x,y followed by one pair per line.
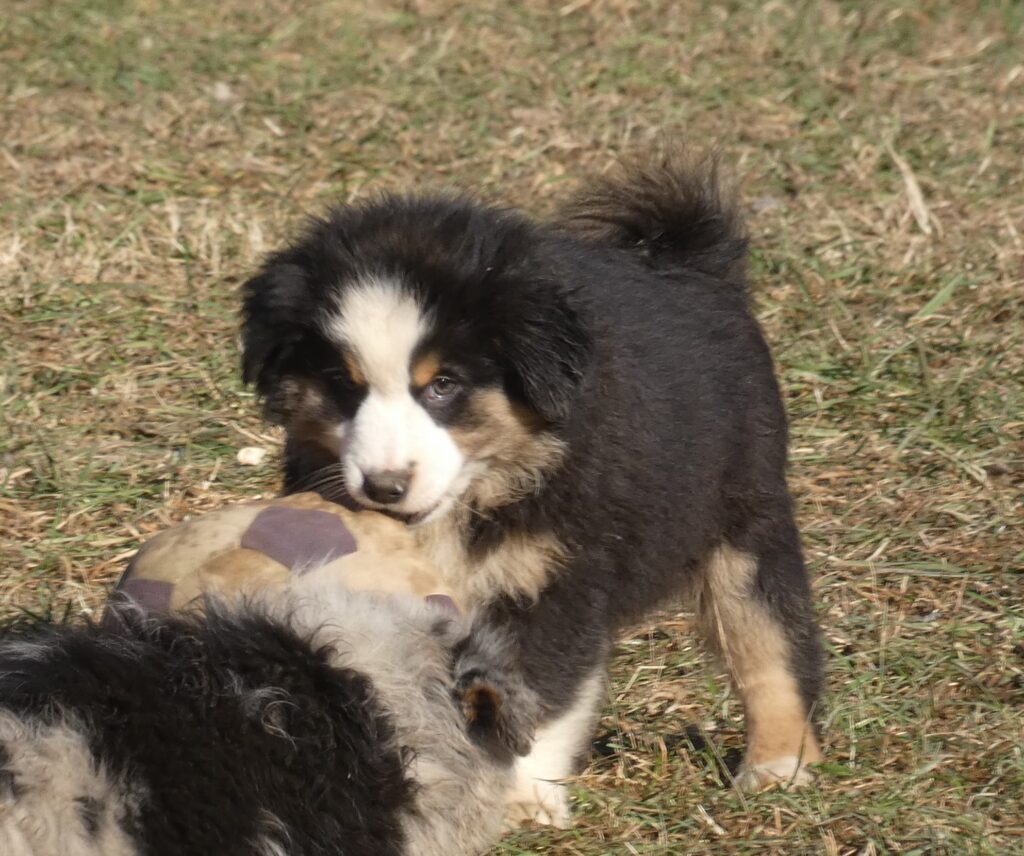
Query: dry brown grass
x,y
149,153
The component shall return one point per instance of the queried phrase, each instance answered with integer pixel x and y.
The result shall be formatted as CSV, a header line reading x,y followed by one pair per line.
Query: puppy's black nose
x,y
386,487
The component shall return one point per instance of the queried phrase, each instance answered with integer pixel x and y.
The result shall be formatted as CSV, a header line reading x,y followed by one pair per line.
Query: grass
x,y
150,152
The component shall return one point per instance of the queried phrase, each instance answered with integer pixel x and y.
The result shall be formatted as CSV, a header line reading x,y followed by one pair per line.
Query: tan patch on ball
x,y
190,544
241,571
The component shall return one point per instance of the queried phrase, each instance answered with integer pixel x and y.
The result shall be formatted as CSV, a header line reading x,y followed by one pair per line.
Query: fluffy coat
x,y
327,722
616,347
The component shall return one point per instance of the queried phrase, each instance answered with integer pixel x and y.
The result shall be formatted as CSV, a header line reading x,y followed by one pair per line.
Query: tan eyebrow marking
x,y
354,371
425,369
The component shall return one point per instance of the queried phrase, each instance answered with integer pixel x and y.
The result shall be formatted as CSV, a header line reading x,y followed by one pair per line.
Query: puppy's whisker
x,y
331,476
471,509
328,479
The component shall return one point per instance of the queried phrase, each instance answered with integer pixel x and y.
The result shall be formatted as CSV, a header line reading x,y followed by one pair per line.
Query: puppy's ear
x,y
499,716
548,348
501,711
274,305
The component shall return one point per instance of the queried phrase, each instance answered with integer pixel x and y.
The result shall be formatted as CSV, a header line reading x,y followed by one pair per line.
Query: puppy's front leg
x,y
560,747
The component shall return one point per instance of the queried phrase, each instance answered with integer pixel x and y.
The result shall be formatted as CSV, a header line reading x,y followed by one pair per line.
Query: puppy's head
x,y
422,349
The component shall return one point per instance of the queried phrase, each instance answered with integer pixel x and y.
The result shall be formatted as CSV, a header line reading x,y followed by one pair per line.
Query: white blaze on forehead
x,y
379,323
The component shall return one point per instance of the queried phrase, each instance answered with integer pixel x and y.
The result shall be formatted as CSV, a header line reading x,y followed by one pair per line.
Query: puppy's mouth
x,y
411,519
424,514
353,503
414,518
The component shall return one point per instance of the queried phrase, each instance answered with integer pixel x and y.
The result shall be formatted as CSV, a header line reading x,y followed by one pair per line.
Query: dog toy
x,y
247,547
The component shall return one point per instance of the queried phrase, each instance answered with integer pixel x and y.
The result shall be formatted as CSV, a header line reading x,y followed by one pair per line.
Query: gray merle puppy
x,y
328,722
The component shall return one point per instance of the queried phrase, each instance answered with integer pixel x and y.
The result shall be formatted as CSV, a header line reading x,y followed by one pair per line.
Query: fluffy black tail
x,y
673,210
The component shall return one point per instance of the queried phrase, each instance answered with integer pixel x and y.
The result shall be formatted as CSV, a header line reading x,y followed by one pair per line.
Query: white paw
x,y
536,801
786,772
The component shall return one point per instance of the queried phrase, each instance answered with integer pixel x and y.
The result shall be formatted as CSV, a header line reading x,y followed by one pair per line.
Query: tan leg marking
x,y
780,739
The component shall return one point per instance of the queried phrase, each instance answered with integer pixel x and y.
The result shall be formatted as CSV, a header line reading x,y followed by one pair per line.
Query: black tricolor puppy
x,y
581,419
324,723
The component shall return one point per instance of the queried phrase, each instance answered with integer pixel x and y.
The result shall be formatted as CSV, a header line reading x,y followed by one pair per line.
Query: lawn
x,y
150,152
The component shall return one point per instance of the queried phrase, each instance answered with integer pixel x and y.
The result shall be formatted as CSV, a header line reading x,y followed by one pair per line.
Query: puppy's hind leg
x,y
756,610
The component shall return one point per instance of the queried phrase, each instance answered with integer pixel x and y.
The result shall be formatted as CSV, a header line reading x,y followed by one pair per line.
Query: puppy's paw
x,y
535,801
785,772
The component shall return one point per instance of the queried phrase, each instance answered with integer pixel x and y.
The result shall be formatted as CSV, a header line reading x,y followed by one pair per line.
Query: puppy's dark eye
x,y
441,388
339,377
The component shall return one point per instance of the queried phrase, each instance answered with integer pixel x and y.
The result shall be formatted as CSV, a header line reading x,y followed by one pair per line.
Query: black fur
x,y
473,266
625,326
672,212
10,787
161,705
